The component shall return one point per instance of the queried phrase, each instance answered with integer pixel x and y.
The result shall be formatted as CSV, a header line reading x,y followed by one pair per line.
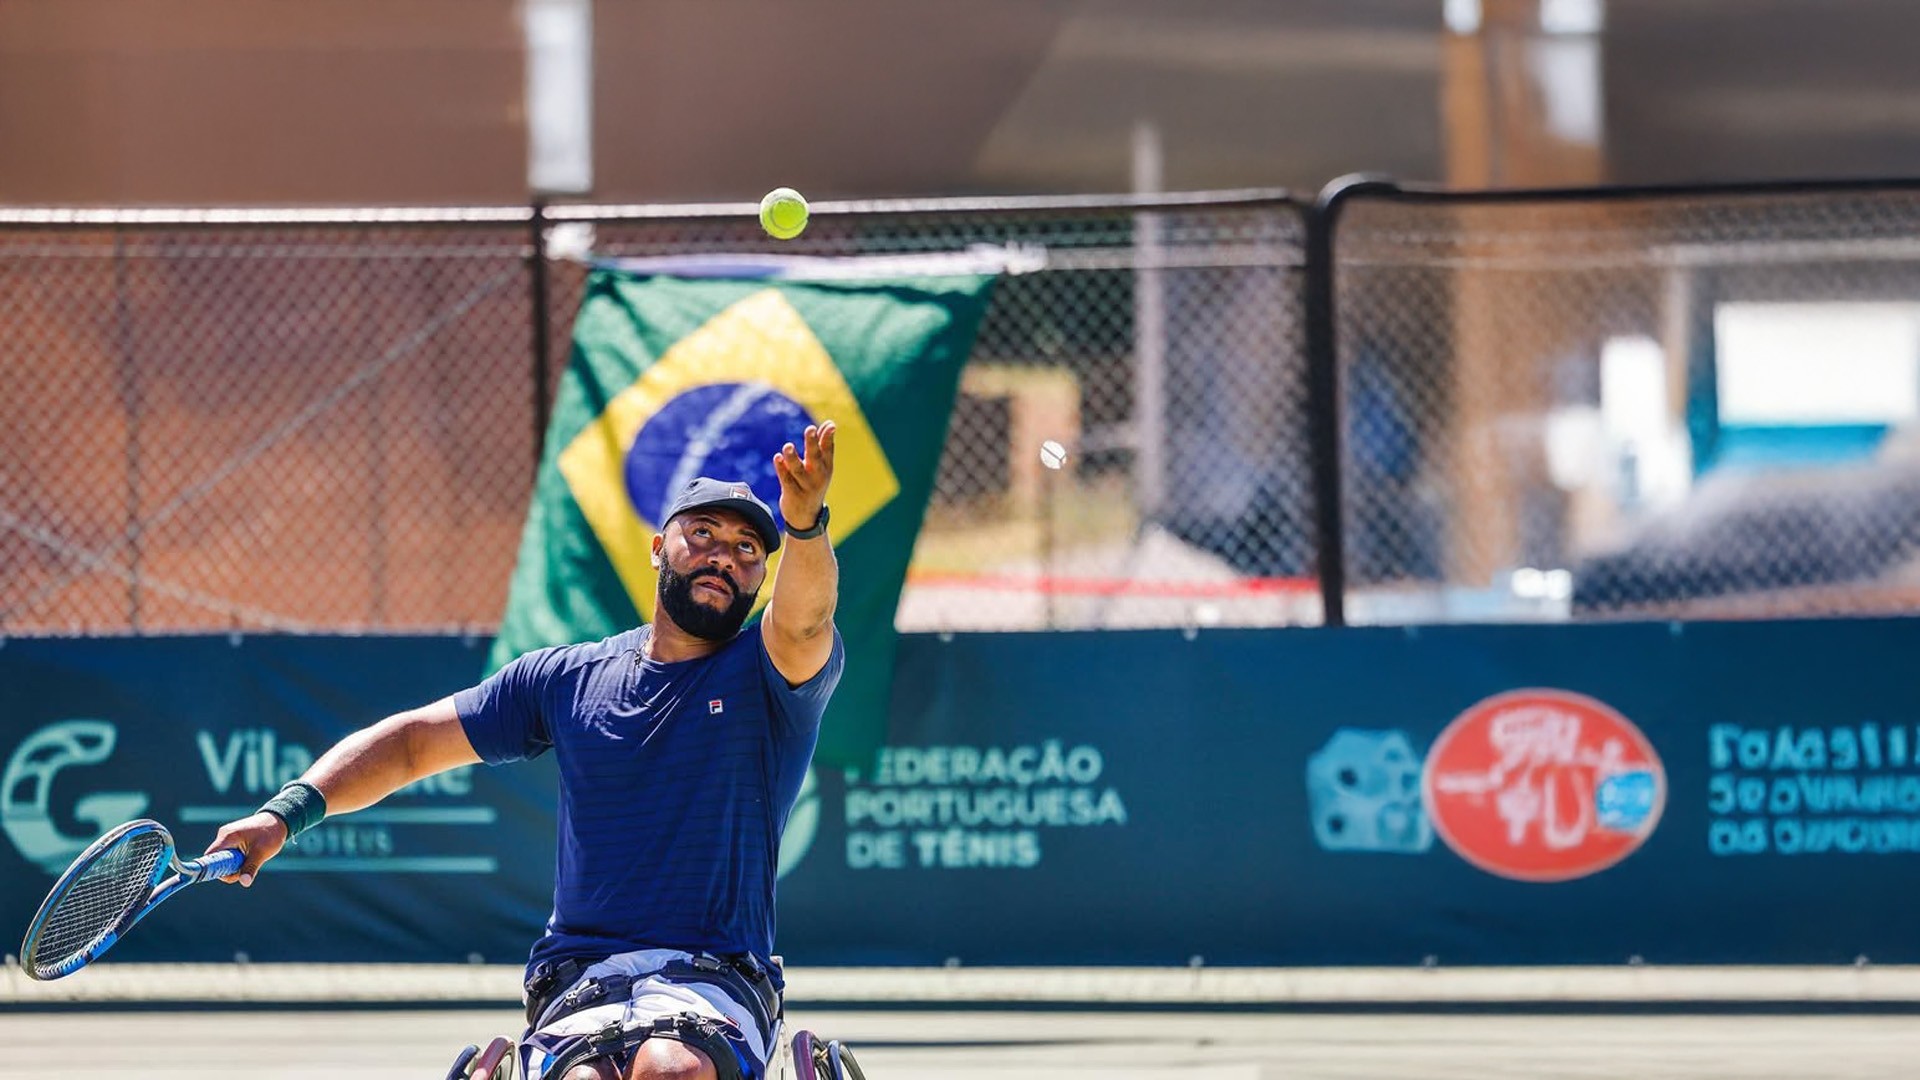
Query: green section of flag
x,y
652,354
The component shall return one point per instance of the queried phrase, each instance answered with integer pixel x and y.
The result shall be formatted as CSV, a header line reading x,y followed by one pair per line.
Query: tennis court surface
x,y
388,1044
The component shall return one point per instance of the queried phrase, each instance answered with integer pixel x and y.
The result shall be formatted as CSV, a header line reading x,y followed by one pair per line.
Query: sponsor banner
x,y
198,731
1469,795
1727,793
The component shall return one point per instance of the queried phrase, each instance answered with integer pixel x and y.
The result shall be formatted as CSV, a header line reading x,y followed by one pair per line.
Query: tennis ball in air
x,y
783,213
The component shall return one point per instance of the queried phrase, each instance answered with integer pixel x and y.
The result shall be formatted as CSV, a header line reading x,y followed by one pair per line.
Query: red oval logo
x,y
1543,785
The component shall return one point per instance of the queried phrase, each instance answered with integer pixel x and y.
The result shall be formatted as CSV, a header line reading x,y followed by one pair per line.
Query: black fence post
x,y
1323,390
542,350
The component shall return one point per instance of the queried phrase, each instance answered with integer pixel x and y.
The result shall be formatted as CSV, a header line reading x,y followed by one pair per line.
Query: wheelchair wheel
x,y
494,1063
806,1064
459,1070
840,1060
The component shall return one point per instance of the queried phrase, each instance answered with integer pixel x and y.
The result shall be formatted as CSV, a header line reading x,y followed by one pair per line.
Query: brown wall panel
x,y
199,102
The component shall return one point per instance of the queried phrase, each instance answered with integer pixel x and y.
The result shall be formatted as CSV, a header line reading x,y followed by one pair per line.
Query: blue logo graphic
x,y
729,431
1624,801
26,791
1363,790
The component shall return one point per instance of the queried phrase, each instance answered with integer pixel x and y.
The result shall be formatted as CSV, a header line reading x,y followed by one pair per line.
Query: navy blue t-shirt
x,y
675,784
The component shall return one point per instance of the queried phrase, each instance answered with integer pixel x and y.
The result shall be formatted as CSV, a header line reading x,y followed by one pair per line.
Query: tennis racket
x,y
110,887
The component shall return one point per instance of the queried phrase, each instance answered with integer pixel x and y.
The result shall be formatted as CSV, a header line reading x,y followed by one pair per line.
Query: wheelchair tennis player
x,y
681,747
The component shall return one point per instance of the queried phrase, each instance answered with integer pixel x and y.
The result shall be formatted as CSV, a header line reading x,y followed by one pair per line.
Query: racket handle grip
x,y
217,865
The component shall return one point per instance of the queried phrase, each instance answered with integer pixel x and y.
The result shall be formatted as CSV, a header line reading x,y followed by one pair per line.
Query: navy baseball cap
x,y
703,492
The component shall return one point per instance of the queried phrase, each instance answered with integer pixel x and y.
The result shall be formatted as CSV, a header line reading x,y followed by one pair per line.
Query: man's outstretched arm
x,y
357,772
799,630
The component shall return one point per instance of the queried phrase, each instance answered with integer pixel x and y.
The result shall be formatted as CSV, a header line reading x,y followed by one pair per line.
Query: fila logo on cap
x,y
716,707
742,492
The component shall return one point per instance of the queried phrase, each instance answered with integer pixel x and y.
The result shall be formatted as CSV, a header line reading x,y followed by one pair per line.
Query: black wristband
x,y
819,526
299,806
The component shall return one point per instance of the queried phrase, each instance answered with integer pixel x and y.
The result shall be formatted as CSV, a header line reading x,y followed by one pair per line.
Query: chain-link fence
x,y
1667,404
295,426
1561,405
261,427
1160,349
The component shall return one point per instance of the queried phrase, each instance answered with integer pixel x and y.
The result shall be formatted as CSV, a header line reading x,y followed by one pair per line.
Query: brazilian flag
x,y
676,376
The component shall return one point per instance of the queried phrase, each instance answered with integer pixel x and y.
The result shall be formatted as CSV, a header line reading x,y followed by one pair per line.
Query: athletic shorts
x,y
651,996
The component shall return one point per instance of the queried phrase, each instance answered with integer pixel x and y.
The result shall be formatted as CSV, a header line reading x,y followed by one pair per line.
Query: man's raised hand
x,y
805,472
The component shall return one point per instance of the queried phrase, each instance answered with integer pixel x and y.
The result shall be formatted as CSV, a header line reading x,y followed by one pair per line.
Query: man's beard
x,y
696,618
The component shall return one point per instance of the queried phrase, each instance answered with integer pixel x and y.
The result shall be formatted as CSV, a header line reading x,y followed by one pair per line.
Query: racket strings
x,y
117,883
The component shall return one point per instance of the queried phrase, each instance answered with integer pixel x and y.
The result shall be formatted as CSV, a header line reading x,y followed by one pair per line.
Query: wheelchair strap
x,y
619,1044
744,981
547,981
554,990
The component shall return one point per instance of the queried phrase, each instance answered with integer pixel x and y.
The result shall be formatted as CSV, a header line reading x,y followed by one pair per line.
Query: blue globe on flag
x,y
729,431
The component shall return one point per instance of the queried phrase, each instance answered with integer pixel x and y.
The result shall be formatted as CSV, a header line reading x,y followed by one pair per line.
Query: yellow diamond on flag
x,y
720,402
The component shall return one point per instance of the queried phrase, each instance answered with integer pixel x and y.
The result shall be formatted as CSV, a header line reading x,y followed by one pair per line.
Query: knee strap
x,y
618,1043
711,1037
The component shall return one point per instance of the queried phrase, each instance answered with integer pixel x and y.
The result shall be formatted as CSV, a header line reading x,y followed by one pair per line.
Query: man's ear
x,y
659,542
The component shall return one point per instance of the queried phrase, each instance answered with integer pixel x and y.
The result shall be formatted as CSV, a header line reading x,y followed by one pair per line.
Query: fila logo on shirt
x,y
716,707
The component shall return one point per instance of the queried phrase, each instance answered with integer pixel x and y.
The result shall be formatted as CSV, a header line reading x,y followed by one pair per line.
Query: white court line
x,y
377,815
378,864
1094,987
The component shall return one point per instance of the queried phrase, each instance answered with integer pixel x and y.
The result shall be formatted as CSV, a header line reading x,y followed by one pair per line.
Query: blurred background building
x,y
409,101
1602,389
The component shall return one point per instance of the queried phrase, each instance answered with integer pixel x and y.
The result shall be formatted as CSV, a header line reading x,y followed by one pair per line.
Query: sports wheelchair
x,y
804,1056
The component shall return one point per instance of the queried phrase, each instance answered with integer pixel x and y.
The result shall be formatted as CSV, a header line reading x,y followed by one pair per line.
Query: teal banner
x,y
1700,793
197,731
1724,793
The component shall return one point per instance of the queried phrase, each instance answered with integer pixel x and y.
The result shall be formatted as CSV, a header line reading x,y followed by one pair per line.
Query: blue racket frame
x,y
160,887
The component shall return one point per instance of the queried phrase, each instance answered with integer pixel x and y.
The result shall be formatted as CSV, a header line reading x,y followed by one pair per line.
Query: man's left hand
x,y
804,473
